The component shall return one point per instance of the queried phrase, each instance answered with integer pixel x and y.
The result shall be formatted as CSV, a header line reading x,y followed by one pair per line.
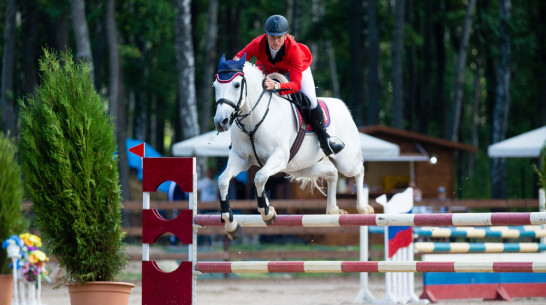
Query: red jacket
x,y
293,57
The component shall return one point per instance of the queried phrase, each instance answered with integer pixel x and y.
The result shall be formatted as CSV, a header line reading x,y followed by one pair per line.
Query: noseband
x,y
236,107
236,115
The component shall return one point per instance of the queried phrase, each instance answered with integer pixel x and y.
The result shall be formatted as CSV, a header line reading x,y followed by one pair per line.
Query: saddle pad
x,y
325,112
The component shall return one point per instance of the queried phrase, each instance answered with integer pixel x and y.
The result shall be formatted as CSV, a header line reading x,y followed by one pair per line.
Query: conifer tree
x,y
70,167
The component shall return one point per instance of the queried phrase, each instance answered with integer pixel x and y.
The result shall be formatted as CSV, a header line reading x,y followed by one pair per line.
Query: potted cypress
x,y
11,217
70,170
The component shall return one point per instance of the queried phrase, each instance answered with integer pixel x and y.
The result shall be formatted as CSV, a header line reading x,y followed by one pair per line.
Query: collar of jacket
x,y
280,53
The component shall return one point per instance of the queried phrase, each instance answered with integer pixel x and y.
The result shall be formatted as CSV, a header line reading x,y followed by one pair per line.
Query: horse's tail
x,y
309,184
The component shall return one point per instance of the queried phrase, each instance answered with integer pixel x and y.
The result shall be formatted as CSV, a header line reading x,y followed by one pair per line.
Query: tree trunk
x,y
412,80
210,65
81,33
316,13
293,14
372,54
476,102
357,60
397,65
460,63
56,23
117,107
333,68
30,58
9,122
502,99
425,104
439,85
187,113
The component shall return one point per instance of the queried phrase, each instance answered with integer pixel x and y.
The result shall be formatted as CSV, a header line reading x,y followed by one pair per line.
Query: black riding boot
x,y
317,121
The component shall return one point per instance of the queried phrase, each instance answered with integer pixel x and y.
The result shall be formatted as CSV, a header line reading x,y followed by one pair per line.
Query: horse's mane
x,y
252,71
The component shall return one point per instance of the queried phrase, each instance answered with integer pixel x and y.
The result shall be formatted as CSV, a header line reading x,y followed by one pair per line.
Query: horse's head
x,y
229,87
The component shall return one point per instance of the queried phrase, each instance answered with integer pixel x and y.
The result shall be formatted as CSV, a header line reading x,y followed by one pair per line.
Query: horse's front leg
x,y
234,166
274,164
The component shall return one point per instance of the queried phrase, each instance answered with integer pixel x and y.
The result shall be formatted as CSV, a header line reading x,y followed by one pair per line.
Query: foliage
x,y
542,172
68,158
11,195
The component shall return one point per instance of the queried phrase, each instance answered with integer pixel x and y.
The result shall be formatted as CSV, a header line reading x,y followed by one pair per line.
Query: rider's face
x,y
276,42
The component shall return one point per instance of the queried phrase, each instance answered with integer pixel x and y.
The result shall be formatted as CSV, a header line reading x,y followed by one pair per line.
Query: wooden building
x,y
428,161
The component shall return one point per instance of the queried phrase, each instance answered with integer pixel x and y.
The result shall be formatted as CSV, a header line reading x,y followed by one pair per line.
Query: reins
x,y
237,116
252,133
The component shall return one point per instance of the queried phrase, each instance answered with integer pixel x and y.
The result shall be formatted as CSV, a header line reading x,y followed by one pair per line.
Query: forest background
x,y
464,70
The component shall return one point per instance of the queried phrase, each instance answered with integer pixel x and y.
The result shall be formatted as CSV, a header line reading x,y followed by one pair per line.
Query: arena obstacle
x,y
531,231
460,247
178,287
504,285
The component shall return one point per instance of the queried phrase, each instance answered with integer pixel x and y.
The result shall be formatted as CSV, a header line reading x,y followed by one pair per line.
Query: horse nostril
x,y
225,121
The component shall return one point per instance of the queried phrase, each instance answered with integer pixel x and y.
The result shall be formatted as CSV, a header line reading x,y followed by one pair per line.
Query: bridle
x,y
236,107
237,116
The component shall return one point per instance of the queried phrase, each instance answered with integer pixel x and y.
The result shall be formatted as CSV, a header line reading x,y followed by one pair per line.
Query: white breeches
x,y
308,87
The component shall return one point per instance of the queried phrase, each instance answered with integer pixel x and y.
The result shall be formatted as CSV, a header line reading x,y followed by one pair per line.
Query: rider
x,y
277,51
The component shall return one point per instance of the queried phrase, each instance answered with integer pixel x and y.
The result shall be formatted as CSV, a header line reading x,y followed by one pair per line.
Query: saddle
x,y
301,104
302,112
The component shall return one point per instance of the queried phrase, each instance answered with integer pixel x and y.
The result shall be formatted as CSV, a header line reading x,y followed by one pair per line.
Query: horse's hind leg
x,y
361,197
328,171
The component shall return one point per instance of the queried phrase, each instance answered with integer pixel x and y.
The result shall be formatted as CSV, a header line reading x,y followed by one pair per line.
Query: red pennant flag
x,y
138,150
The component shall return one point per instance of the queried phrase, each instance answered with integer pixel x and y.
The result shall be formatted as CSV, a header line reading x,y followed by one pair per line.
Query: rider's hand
x,y
269,84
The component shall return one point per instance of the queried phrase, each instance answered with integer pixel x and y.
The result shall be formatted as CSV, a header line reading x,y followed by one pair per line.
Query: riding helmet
x,y
276,25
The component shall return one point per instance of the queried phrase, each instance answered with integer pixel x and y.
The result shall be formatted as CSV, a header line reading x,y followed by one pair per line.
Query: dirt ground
x,y
286,291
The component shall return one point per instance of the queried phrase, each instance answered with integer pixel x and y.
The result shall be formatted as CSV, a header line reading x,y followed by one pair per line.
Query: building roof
x,y
378,130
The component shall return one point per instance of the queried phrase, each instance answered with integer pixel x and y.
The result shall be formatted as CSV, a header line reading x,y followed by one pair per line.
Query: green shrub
x,y
70,167
11,196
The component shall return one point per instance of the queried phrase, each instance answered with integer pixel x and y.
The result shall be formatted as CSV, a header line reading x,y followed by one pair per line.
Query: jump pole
x,y
460,247
347,220
357,266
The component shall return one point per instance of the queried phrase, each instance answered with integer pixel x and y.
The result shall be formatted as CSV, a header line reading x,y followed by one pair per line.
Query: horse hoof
x,y
273,218
366,210
236,234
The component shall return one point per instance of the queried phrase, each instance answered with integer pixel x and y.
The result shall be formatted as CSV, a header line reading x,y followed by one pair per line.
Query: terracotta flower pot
x,y
6,289
100,293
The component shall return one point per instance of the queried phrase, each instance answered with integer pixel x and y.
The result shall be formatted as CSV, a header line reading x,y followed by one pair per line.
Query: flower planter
x,y
104,293
6,289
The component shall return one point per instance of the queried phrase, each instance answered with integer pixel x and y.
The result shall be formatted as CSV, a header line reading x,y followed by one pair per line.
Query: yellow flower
x,y
31,240
37,256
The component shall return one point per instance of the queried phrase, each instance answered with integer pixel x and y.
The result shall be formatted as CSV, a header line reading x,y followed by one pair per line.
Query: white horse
x,y
267,120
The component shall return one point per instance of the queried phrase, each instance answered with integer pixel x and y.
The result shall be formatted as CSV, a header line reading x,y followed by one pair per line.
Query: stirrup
x,y
330,147
335,148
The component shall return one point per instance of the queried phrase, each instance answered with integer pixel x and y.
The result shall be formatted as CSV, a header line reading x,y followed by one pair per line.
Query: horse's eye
x,y
237,85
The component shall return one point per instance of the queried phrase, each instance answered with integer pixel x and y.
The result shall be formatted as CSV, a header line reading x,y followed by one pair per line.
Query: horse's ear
x,y
241,62
222,60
